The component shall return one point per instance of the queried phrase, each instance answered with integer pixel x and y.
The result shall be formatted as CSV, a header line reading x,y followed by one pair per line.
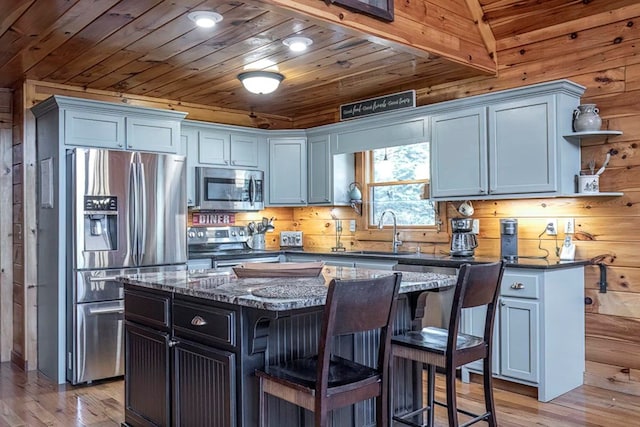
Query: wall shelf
x,y
591,135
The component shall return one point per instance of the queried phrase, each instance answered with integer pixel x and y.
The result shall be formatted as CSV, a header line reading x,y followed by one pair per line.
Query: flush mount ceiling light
x,y
205,19
260,82
298,43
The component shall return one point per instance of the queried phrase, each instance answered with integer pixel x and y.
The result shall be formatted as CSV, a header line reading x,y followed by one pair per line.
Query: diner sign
x,y
212,218
381,104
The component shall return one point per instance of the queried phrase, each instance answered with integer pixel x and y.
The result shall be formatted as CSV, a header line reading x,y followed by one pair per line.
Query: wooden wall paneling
x,y
30,230
620,279
6,241
612,352
617,328
624,304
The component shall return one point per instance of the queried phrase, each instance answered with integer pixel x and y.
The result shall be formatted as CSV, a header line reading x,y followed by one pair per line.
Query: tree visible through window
x,y
397,179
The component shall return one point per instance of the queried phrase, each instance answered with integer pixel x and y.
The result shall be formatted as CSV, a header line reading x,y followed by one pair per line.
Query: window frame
x,y
436,233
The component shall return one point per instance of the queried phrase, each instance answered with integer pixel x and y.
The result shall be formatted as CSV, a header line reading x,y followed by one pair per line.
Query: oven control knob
x,y
233,233
298,240
241,233
191,234
200,234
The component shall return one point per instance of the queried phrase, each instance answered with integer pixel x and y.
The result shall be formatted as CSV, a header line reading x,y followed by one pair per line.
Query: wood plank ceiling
x,y
151,48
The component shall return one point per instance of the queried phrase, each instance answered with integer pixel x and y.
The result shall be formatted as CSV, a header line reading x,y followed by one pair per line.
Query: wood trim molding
x,y
6,243
484,28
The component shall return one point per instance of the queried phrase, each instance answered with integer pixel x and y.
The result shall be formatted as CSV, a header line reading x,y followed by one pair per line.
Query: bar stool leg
x,y
431,378
452,405
488,392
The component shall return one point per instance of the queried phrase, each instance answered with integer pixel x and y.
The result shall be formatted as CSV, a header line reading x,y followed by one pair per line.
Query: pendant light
x,y
260,82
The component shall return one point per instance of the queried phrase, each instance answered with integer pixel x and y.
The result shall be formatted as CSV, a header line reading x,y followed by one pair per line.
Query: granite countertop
x,y
275,294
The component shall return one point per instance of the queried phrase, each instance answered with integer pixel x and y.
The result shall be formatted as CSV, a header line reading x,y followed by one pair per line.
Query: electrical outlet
x,y
569,226
552,227
475,228
352,225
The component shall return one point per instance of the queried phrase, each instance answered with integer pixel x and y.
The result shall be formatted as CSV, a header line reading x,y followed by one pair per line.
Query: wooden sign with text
x,y
378,105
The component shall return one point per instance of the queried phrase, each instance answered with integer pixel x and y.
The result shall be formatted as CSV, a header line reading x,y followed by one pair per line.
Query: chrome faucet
x,y
396,242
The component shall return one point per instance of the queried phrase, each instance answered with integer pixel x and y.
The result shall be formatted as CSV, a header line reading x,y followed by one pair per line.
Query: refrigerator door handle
x,y
133,215
142,213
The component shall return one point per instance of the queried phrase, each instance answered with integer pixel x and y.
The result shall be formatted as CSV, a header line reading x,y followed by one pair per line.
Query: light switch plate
x,y
475,227
352,225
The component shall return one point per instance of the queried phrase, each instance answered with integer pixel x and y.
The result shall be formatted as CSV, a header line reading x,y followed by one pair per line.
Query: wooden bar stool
x,y
478,285
325,381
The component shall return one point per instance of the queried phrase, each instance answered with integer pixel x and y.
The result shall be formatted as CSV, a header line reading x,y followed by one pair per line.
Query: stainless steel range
x,y
215,247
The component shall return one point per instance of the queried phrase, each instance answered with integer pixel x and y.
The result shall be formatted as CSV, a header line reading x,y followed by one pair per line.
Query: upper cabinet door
x,y
244,150
459,153
522,146
214,148
154,135
288,171
94,130
319,172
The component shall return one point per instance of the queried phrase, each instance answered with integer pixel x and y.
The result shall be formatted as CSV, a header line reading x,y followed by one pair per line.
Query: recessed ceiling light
x,y
205,19
298,43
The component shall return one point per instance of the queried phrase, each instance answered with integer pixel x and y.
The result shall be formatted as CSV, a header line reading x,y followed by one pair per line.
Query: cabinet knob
x,y
120,145
517,285
502,303
198,321
173,343
226,162
233,162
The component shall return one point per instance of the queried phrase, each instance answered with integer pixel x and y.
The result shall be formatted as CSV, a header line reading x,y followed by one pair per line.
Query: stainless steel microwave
x,y
229,189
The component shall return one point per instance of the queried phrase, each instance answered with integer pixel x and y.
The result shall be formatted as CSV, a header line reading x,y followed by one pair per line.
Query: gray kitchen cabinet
x,y
328,175
539,330
100,124
523,146
519,339
288,171
506,145
189,148
459,153
225,149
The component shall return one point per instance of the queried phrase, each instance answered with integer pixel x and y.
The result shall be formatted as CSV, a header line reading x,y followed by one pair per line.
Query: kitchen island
x,y
194,340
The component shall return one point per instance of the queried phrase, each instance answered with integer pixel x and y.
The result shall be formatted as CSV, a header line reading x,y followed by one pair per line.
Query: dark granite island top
x,y
275,294
195,338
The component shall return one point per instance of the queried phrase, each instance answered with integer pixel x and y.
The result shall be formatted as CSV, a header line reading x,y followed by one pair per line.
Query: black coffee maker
x,y
463,239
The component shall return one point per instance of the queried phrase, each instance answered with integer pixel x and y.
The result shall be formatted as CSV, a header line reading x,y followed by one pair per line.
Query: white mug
x,y
466,208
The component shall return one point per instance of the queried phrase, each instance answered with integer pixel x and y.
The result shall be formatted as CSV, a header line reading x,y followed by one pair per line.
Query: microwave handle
x,y
252,191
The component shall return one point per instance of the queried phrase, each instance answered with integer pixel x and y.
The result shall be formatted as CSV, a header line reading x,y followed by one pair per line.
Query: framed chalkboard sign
x,y
381,9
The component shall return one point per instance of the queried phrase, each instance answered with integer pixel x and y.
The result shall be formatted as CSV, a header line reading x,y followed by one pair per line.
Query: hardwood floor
x,y
32,400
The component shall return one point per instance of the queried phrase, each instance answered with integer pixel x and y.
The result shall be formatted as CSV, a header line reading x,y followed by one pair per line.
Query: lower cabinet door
x,y
147,377
519,340
473,324
204,386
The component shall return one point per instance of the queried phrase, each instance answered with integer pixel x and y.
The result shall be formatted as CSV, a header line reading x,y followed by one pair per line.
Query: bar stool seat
x,y
477,285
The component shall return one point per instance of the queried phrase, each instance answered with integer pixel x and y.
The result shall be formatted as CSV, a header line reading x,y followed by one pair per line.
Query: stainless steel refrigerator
x,y
127,215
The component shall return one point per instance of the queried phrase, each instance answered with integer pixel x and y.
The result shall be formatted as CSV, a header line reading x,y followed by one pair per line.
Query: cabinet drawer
x,y
520,285
147,308
204,323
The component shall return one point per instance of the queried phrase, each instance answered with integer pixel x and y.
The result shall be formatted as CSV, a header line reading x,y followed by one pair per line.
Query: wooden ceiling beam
x,y
408,32
484,28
